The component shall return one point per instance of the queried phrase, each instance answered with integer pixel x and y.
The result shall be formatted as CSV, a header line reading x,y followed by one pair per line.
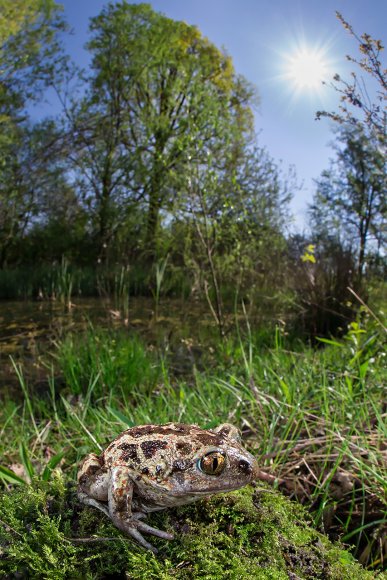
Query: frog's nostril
x,y
245,466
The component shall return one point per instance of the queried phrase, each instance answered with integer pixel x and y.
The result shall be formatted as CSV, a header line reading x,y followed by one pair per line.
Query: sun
x,y
307,69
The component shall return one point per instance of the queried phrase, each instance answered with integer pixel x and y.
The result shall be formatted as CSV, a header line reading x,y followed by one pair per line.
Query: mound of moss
x,y
250,534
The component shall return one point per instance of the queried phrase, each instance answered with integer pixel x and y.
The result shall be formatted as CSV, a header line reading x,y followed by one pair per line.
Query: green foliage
x,y
31,537
13,17
9,475
347,219
156,157
29,55
308,255
349,205
154,184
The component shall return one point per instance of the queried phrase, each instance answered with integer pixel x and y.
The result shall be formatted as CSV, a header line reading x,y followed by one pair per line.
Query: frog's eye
x,y
213,463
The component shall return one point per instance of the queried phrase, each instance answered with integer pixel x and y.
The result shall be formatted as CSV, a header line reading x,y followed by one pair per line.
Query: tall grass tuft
x,y
63,283
122,292
102,361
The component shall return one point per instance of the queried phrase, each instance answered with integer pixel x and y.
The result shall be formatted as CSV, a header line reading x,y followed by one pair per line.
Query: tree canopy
x,y
165,96
350,202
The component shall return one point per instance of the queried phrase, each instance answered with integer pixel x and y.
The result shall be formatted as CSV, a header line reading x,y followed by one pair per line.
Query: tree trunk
x,y
360,266
152,226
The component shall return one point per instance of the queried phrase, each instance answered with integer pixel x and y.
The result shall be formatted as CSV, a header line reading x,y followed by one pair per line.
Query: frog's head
x,y
202,462
219,464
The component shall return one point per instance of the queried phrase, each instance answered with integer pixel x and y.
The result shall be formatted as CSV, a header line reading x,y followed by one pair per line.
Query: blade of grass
x,y
10,476
51,465
26,461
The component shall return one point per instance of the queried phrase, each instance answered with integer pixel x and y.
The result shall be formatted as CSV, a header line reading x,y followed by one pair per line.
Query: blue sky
x,y
261,36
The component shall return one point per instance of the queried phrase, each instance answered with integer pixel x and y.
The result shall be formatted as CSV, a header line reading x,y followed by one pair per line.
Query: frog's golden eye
x,y
213,463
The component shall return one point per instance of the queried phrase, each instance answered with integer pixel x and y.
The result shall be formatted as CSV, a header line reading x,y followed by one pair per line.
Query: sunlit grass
x,y
313,418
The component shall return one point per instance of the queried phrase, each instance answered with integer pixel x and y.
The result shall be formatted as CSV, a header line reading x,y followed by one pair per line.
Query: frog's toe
x,y
135,528
143,527
138,515
141,540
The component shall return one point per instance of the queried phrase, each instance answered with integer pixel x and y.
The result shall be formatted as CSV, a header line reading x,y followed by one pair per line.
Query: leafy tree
x,y
30,53
350,203
14,15
33,187
101,169
167,89
252,217
235,221
348,213
30,57
359,95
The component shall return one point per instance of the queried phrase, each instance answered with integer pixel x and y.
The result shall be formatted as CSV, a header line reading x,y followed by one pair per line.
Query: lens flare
x,y
307,69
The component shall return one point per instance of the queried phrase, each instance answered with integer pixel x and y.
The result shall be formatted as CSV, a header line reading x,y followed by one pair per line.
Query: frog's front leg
x,y
93,483
120,496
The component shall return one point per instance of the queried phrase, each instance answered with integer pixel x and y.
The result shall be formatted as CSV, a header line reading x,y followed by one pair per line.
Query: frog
x,y
148,468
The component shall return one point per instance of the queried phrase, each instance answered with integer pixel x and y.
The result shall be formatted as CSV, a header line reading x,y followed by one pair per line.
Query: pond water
x,y
29,329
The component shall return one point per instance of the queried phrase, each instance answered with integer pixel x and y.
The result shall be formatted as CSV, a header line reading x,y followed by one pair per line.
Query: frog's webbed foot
x,y
120,501
133,527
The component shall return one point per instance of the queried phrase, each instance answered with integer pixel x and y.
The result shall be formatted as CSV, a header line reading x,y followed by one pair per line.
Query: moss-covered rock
x,y
250,534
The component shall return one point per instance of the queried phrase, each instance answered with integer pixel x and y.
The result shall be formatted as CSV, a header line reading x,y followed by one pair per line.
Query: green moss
x,y
250,534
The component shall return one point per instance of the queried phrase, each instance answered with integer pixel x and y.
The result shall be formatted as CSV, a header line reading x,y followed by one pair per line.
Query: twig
x,y
8,527
99,539
367,308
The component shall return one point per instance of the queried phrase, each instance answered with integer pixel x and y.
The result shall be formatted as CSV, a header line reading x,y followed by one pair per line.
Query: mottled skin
x,y
154,467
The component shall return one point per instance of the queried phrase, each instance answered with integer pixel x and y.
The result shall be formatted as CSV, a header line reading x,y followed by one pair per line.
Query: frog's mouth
x,y
209,491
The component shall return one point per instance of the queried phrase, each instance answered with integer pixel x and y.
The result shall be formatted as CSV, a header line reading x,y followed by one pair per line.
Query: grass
x,y
314,418
104,362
